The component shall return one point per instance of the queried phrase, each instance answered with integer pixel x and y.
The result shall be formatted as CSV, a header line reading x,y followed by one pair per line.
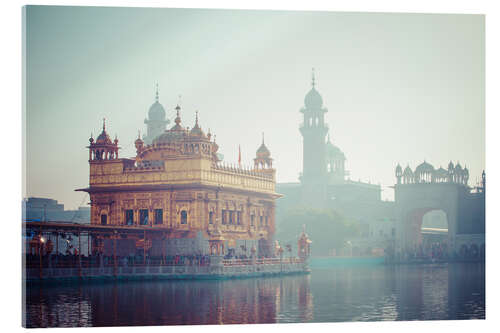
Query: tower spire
x,y
262,137
313,83
157,95
103,124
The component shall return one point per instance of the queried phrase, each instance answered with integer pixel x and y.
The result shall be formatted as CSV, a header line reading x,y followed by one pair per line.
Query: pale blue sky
x,y
398,87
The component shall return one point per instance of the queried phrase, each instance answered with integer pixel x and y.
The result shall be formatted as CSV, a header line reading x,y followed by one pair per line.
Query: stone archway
x,y
411,230
413,201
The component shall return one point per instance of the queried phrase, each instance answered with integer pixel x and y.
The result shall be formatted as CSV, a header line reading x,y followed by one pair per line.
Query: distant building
x,y
427,198
45,209
324,183
49,210
156,122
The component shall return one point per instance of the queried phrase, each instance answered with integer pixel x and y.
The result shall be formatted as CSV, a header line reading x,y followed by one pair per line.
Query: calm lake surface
x,y
331,293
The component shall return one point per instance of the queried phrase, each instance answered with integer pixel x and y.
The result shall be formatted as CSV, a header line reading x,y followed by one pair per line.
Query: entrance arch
x,y
419,234
414,201
426,189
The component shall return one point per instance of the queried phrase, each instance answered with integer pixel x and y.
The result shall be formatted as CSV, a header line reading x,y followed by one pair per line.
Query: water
x,y
331,293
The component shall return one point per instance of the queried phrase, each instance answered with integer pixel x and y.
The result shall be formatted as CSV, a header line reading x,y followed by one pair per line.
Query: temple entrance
x,y
455,212
434,234
427,213
425,233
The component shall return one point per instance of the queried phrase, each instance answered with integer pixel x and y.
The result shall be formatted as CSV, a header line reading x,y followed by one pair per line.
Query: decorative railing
x,y
75,261
261,261
225,176
242,170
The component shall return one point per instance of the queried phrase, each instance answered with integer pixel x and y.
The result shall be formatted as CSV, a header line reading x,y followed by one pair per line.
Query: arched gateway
x,y
427,189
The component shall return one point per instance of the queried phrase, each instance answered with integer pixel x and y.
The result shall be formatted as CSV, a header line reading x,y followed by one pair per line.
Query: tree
x,y
328,229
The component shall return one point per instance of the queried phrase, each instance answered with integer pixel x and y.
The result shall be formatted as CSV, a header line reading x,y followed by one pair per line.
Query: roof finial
x,y
178,117
262,137
196,123
103,124
157,95
139,134
313,78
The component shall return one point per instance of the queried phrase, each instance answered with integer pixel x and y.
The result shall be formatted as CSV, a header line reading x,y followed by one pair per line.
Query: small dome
x,y
399,170
177,126
408,171
169,136
156,111
196,130
334,151
263,150
313,99
441,173
103,138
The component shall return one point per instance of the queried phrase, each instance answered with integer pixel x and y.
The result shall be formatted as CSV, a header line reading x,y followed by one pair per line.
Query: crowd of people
x,y
432,252
96,260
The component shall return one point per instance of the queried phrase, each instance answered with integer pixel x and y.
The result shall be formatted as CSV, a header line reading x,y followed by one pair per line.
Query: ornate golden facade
x,y
178,184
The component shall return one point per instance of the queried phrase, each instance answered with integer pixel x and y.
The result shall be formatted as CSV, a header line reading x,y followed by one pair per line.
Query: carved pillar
x,y
206,213
248,213
218,212
172,213
272,219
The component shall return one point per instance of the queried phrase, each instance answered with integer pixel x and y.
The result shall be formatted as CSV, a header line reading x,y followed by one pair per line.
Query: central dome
x,y
424,167
169,137
313,99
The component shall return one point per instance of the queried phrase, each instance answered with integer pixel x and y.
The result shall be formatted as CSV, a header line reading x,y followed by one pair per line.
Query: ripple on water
x,y
328,294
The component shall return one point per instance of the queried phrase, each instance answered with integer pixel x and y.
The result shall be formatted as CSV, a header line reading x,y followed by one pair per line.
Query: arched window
x,y
211,218
104,219
184,217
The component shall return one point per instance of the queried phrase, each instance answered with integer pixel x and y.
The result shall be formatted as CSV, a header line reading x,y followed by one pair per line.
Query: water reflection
x,y
329,294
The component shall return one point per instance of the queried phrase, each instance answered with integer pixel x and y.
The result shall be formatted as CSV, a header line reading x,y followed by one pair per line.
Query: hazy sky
x,y
398,87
